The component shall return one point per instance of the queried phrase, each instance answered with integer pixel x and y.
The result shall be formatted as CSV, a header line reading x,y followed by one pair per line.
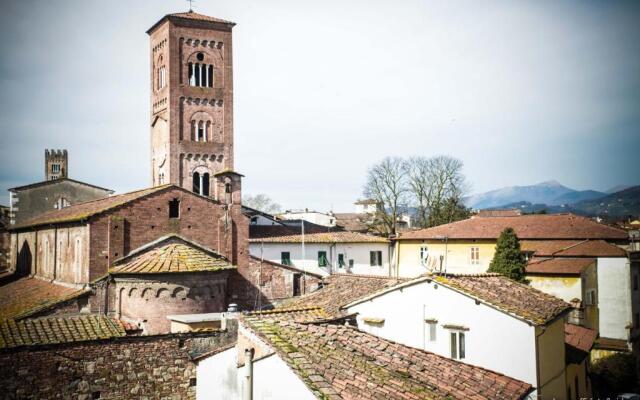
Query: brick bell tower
x,y
191,102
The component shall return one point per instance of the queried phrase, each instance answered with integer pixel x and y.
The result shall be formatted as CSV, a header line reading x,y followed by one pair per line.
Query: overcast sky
x,y
521,92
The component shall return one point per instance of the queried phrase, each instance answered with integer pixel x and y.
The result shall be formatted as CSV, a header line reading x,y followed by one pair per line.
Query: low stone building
x,y
92,357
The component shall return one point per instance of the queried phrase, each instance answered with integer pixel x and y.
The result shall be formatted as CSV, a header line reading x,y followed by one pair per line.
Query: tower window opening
x,y
201,132
200,74
227,188
205,184
210,75
55,168
174,208
196,182
200,56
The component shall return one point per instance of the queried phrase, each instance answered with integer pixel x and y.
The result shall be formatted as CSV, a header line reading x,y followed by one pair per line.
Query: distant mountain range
x,y
554,197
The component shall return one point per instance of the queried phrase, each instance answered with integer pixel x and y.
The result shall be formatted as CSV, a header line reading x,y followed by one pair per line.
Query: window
x,y
351,263
161,178
200,74
61,203
375,258
432,325
285,258
424,254
475,255
322,259
196,182
162,77
55,168
205,184
457,345
174,208
341,263
200,132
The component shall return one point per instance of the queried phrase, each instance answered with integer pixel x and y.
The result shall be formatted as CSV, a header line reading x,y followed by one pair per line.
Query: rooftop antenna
x,y
191,5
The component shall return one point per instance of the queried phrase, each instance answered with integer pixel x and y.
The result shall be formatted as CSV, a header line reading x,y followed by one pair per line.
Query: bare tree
x,y
386,183
437,186
261,202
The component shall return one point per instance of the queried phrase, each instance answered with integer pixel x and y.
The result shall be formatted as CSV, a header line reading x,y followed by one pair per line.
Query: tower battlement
x,y
55,164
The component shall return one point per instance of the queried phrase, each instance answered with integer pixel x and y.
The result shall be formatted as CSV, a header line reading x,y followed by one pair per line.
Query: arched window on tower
x,y
201,133
200,74
196,182
205,184
210,75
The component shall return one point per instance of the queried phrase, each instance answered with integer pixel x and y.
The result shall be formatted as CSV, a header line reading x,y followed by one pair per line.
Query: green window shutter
x,y
322,259
372,256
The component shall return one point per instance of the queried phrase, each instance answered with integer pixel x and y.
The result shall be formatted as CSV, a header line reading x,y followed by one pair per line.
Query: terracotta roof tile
x,y
572,248
353,222
560,266
340,290
171,255
327,237
54,330
28,296
538,226
341,362
507,295
80,211
579,337
199,17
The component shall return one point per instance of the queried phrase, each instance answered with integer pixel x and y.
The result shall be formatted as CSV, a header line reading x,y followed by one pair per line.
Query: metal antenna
x,y
191,5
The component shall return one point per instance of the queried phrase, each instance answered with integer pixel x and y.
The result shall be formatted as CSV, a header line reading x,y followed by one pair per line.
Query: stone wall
x,y
143,367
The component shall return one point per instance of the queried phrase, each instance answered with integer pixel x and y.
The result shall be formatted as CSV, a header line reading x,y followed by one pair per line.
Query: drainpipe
x,y
247,394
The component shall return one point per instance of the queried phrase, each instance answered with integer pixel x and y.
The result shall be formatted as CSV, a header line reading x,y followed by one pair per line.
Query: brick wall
x,y
147,219
152,367
262,284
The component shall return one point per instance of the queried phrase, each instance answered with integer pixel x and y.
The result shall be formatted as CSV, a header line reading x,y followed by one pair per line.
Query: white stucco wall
x,y
311,216
274,380
614,297
219,378
494,340
358,252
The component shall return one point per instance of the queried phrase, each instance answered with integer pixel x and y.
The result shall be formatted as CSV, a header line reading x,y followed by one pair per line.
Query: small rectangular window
x,y
285,258
424,254
454,345
174,208
475,256
322,259
55,168
341,263
351,263
375,258
458,348
432,331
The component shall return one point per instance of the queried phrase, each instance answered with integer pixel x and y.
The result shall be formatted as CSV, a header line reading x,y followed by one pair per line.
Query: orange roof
x,y
579,337
28,296
326,237
558,266
190,15
535,226
572,248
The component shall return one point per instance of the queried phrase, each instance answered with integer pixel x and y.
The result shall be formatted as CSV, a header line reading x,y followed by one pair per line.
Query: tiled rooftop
x,y
340,290
572,248
559,266
27,296
174,256
80,211
538,226
54,330
340,362
579,337
353,222
508,295
327,237
199,17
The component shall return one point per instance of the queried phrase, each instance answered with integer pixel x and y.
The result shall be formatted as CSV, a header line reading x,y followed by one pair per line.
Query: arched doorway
x,y
23,265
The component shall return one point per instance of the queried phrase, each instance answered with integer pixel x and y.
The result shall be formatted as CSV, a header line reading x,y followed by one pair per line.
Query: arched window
x,y
61,203
201,133
205,184
200,74
196,182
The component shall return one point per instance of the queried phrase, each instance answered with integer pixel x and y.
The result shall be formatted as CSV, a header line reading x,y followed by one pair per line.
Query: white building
x,y
485,320
315,217
326,253
300,355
